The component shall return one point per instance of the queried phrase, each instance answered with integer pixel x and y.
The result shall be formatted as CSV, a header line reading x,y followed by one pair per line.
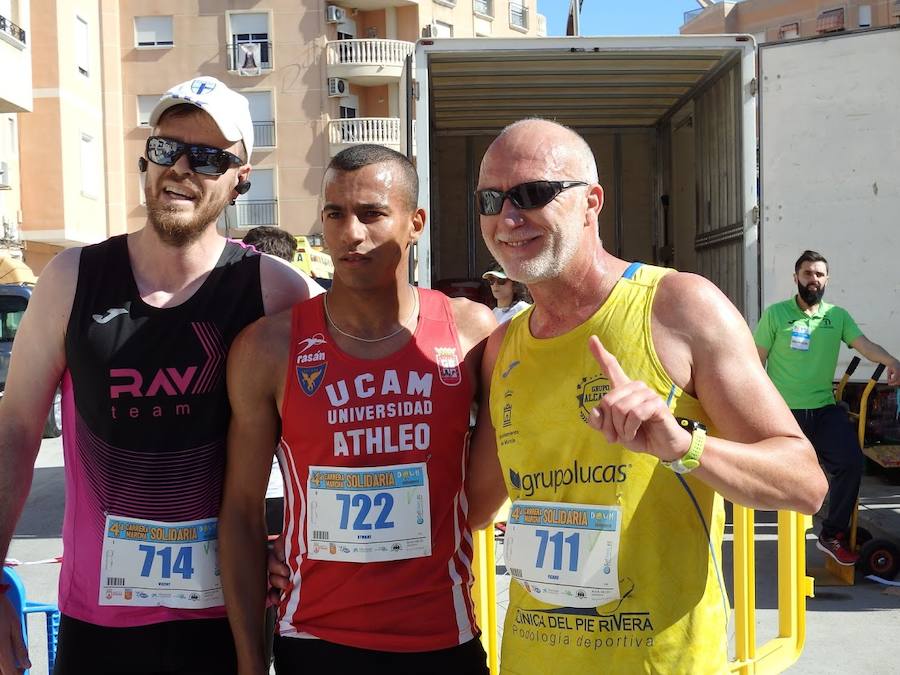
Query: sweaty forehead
x,y
375,183
196,127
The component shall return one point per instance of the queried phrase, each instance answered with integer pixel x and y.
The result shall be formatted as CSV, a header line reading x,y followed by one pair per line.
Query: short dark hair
x,y
272,240
810,256
366,154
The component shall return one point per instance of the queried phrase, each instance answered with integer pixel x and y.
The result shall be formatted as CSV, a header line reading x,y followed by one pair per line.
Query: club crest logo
x,y
448,365
589,392
310,377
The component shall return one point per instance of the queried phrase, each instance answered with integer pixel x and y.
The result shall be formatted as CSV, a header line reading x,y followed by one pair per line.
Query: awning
x,y
830,21
15,271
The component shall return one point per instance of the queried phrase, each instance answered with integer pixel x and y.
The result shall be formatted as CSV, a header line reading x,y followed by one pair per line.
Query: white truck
x,y
675,123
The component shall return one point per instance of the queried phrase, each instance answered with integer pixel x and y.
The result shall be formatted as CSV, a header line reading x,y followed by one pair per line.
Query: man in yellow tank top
x,y
614,538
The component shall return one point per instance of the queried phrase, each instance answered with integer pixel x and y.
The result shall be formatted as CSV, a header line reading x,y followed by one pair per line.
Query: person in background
x,y
798,342
511,296
272,240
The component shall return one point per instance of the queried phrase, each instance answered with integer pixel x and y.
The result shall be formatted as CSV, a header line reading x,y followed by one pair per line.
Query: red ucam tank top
x,y
373,454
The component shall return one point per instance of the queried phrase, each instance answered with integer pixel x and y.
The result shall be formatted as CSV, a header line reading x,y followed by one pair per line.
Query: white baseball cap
x,y
229,110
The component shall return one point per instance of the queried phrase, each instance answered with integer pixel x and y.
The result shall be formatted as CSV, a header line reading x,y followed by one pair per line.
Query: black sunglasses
x,y
203,159
531,195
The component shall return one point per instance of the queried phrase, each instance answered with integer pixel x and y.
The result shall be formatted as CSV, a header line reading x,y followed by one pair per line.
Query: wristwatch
x,y
691,459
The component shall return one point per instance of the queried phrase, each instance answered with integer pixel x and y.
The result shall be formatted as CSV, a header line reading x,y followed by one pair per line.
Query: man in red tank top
x,y
368,391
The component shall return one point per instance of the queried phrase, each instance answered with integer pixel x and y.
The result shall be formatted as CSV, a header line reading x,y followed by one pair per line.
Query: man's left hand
x,y
634,415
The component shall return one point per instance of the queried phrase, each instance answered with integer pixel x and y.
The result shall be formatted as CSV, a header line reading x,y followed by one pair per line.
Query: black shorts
x,y
298,655
195,647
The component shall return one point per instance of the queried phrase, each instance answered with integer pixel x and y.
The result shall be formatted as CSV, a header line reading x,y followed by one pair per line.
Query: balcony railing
x,y
254,212
518,16
483,7
11,29
242,56
690,14
264,134
378,130
368,52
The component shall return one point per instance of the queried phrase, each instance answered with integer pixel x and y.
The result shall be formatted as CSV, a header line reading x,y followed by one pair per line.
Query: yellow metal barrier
x,y
794,586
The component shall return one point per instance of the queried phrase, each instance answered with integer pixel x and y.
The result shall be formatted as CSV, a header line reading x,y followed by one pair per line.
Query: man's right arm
x,y
37,363
255,362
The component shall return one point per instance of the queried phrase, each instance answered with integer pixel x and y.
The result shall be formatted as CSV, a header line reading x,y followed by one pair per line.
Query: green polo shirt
x,y
803,350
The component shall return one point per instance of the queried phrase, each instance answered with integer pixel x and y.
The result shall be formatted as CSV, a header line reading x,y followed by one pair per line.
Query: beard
x,y
176,228
809,296
547,264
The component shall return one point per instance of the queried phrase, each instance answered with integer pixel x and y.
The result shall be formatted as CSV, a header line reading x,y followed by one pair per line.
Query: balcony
x,y
386,131
367,62
250,58
11,32
264,134
255,212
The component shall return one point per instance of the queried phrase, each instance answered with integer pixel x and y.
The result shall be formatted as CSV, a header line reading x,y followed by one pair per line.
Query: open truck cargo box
x,y
671,121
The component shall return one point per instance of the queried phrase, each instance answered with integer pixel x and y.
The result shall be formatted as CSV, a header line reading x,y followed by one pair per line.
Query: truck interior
x,y
665,125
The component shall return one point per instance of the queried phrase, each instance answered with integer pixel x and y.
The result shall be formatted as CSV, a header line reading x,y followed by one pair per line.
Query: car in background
x,y
313,261
13,301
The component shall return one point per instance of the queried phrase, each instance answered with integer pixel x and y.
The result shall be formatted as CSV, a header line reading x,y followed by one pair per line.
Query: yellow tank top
x,y
673,610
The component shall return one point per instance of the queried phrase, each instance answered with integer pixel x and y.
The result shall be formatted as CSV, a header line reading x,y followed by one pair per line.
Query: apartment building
x,y
776,20
15,98
320,76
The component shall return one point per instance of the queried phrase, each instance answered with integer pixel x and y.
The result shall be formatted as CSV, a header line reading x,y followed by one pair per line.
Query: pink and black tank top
x,y
145,412
376,532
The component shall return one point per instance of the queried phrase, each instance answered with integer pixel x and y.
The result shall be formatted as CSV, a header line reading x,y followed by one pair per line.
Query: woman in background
x,y
512,297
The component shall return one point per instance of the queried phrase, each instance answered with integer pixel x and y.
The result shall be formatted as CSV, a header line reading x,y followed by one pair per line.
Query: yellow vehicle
x,y
312,260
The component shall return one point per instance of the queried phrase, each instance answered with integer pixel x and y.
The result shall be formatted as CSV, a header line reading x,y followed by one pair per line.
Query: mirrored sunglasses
x,y
203,159
531,195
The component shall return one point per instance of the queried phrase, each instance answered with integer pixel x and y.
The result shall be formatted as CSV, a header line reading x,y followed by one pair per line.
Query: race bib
x,y
800,337
368,515
148,563
565,554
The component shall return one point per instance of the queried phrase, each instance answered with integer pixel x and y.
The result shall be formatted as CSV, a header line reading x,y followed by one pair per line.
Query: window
x,y
258,206
250,46
865,16
82,48
830,21
145,105
446,3
443,29
263,118
153,31
483,7
90,167
518,15
13,136
789,31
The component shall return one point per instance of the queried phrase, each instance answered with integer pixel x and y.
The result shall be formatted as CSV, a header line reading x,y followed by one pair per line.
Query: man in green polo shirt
x,y
798,342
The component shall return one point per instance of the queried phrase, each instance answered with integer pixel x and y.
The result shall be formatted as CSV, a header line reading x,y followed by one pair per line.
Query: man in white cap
x,y
136,329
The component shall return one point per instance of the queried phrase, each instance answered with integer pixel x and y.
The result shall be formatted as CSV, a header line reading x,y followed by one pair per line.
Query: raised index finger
x,y
608,363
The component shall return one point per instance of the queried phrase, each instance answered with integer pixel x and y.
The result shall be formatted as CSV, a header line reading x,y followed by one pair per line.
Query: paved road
x,y
849,630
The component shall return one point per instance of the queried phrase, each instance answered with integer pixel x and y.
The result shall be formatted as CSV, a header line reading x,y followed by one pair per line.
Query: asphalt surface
x,y
851,629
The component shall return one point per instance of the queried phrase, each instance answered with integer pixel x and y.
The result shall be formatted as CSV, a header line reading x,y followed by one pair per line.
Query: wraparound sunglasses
x,y
532,195
203,159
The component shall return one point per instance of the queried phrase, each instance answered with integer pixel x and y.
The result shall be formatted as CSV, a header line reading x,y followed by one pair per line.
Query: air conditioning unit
x,y
429,30
338,87
334,14
5,179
